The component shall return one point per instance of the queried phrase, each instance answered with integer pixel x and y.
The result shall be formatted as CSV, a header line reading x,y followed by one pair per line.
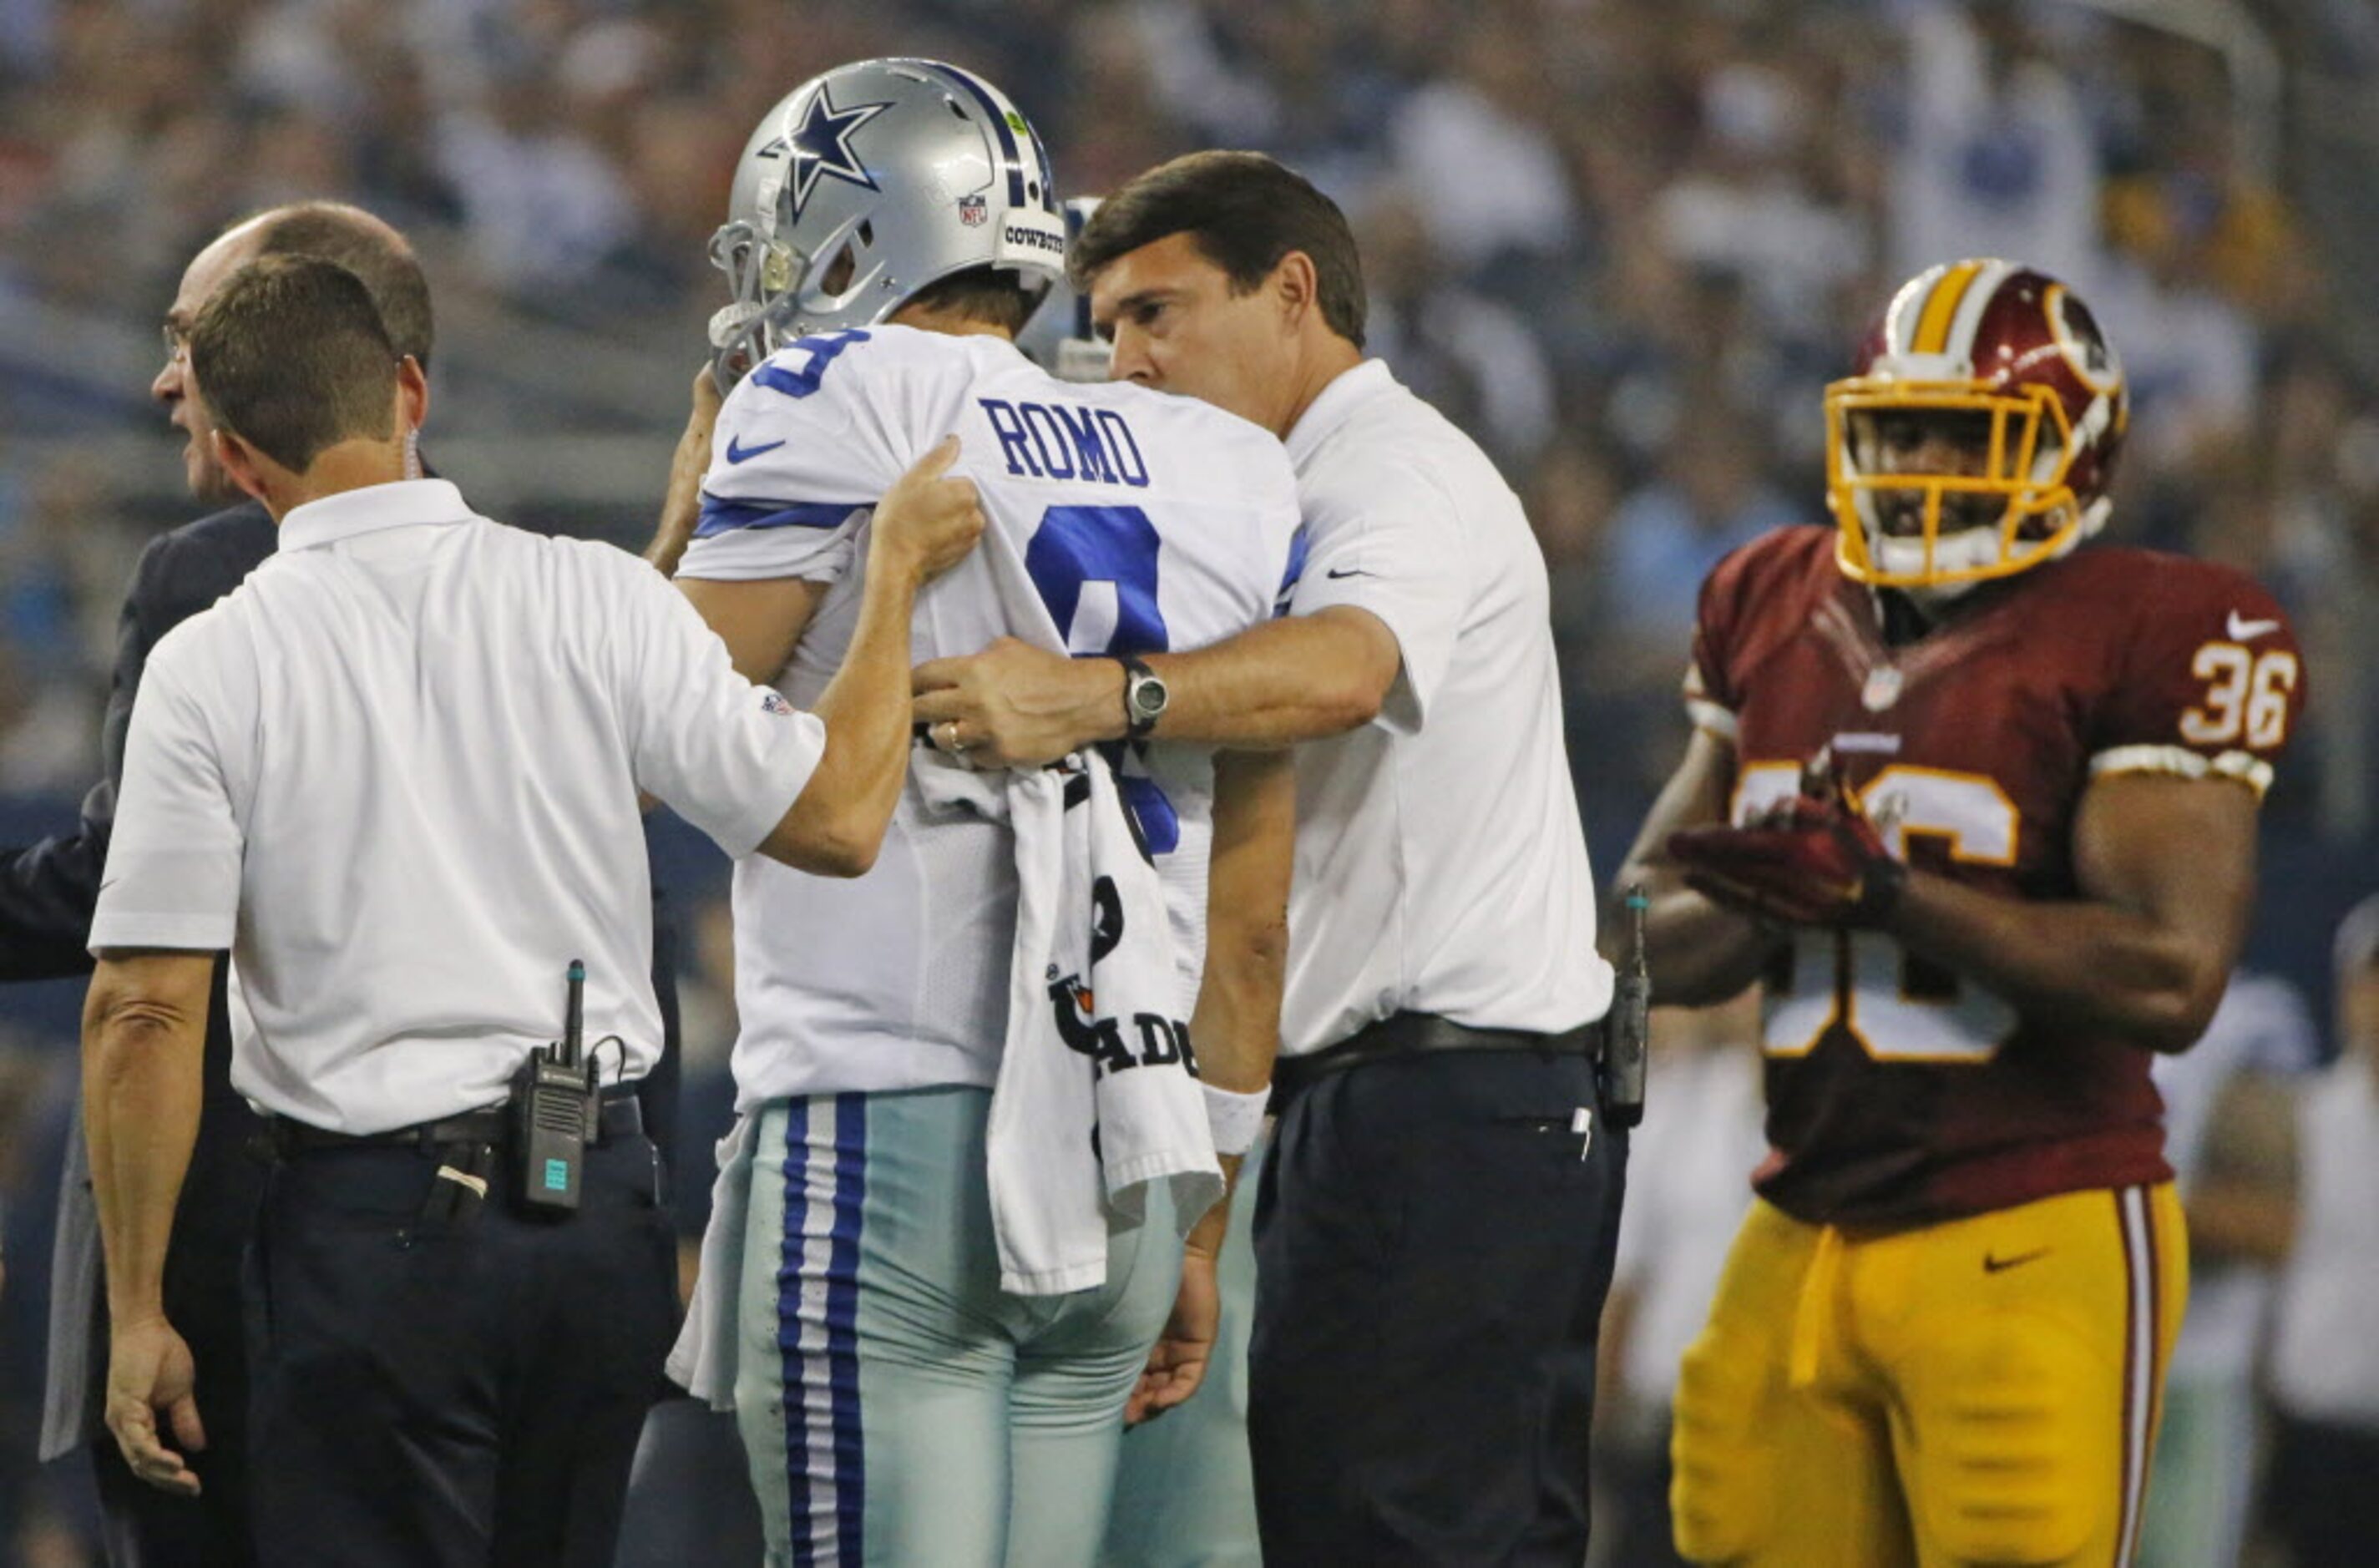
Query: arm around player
x,y
1297,679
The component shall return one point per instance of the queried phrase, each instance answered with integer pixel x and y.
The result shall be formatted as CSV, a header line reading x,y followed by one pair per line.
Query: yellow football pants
x,y
1983,1391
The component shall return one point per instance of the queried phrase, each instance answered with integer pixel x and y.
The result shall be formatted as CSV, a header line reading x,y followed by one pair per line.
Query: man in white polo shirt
x,y
1435,1226
397,774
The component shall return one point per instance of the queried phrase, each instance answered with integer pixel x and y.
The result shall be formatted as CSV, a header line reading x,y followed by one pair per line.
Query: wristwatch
x,y
1143,696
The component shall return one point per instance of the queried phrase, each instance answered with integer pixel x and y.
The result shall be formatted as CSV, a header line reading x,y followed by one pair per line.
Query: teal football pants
x,y
1185,1496
896,1404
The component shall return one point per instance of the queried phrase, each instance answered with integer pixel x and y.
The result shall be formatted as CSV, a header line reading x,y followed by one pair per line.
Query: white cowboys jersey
x,y
1124,520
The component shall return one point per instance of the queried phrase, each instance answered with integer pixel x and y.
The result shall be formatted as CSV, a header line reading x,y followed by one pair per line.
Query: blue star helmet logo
x,y
821,146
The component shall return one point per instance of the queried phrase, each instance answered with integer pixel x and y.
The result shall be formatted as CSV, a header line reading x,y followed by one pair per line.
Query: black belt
x,y
1413,1034
622,1116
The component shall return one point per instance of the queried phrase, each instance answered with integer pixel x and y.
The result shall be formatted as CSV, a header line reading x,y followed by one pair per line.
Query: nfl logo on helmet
x,y
973,211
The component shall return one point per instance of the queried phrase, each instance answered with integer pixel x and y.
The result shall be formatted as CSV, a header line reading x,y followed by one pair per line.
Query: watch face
x,y
1148,696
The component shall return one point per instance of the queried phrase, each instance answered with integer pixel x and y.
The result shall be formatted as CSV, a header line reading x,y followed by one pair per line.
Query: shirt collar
x,y
400,503
1348,391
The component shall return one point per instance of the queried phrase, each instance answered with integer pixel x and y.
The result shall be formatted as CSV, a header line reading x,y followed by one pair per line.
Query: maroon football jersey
x,y
1898,1092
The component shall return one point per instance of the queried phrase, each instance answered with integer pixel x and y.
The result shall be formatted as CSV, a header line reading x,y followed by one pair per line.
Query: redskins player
x,y
1979,809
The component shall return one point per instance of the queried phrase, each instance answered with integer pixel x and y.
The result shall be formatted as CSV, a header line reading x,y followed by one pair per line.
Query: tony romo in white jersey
x,y
1131,521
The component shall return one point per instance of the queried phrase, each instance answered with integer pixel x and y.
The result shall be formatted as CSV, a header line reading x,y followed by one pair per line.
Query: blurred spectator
x,y
1220,95
543,206
1998,157
49,733
61,569
2324,1357
2321,544
1492,180
1113,106
2189,351
2230,1136
1571,495
1713,495
1469,356
1752,201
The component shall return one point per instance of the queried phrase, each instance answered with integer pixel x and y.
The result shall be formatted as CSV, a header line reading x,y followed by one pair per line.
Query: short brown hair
x,y
980,293
1245,211
375,253
291,357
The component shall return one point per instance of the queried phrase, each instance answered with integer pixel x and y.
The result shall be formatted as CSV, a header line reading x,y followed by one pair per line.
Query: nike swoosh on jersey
x,y
2241,631
1337,573
740,454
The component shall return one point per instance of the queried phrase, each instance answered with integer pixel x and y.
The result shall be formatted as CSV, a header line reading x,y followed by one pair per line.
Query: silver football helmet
x,y
866,184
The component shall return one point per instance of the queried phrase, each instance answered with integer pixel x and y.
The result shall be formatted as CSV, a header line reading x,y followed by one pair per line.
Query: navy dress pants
x,y
432,1389
1434,1237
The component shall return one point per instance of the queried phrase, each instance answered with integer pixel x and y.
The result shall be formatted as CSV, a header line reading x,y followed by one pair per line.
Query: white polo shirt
x,y
1441,867
395,773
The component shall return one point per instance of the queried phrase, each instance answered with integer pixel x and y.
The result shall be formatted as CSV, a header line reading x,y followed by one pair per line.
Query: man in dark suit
x,y
47,892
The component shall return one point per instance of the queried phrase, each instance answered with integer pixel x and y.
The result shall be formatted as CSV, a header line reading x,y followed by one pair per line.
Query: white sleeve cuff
x,y
172,933
1234,1118
793,754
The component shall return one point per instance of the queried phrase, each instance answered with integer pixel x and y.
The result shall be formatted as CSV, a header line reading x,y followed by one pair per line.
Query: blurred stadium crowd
x,y
1623,242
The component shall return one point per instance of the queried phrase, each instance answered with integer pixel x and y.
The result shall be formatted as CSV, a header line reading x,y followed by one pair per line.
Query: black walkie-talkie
x,y
554,1110
1627,1039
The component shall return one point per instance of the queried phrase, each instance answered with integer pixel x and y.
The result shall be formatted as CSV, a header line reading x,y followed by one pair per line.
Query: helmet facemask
x,y
740,332
779,294
1941,485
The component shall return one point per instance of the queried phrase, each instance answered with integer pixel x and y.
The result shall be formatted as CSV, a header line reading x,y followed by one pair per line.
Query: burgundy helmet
x,y
2012,364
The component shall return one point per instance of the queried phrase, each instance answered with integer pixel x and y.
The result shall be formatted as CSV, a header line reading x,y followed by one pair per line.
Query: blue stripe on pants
x,y
789,1325
825,1172
842,1320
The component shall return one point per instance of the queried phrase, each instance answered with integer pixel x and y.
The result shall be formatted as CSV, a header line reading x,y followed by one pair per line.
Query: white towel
x,y
703,1360
1096,1094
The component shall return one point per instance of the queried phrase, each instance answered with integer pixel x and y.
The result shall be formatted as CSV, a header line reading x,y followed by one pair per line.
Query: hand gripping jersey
x,y
1899,1093
1119,521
